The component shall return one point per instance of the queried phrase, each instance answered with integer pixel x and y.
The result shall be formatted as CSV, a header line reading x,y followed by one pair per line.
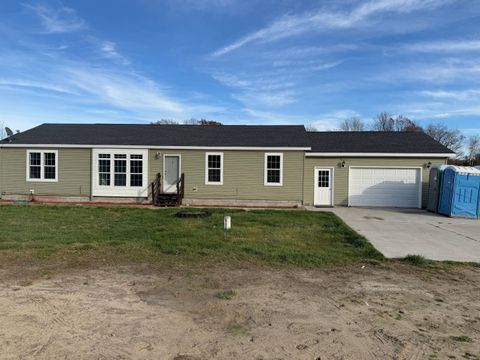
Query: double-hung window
x,y
273,169
42,165
214,168
120,176
136,170
104,170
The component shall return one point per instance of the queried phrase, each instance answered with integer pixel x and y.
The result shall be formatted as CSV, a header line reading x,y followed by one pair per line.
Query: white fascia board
x,y
155,147
412,155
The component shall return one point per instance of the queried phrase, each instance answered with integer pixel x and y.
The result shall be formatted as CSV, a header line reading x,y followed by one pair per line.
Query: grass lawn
x,y
272,237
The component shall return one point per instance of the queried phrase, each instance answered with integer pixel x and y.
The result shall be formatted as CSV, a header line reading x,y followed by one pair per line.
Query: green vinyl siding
x,y
73,173
340,174
243,175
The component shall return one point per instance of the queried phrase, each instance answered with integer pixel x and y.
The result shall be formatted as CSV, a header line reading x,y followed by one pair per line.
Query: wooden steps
x,y
166,200
159,198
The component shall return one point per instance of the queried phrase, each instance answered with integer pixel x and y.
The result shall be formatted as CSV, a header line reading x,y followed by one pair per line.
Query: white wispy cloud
x,y
324,122
34,84
60,19
260,90
123,90
269,117
108,50
294,25
331,120
443,70
444,46
457,95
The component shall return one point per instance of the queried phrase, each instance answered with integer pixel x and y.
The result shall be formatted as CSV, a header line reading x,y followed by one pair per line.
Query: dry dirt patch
x,y
136,312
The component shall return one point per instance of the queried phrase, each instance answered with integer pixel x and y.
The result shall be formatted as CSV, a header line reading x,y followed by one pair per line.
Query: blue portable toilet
x,y
460,192
434,185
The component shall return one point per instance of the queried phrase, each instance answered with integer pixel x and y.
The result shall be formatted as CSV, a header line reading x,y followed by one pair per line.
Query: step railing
x,y
180,189
156,189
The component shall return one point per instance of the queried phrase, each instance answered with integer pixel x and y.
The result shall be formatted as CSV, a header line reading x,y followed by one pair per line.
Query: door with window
x,y
323,193
171,173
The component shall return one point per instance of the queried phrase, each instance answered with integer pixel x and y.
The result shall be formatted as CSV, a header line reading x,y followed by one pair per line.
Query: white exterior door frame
x,y
323,196
169,188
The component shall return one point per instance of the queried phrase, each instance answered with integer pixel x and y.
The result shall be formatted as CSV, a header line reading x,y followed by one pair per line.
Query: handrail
x,y
156,189
180,189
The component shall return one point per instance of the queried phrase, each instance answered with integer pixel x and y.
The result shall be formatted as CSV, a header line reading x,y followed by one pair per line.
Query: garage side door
x,y
385,187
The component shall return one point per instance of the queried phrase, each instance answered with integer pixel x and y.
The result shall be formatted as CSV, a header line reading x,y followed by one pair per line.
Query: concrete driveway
x,y
400,232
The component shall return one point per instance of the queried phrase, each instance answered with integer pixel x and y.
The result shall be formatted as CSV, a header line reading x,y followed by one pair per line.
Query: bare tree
x,y
403,123
165,122
384,122
310,128
191,121
206,122
352,124
451,138
473,149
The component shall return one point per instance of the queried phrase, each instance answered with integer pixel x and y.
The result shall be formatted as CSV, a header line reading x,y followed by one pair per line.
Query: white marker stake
x,y
227,222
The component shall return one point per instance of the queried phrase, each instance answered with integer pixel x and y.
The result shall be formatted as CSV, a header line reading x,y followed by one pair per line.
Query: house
x,y
242,165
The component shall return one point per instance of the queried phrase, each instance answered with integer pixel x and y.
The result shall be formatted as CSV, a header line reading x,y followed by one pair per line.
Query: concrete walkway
x,y
400,232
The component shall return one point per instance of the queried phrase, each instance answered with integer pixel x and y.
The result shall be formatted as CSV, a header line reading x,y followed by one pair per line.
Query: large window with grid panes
x,y
119,172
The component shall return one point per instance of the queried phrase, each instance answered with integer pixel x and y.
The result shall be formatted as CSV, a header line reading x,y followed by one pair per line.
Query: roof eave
x,y
113,146
380,154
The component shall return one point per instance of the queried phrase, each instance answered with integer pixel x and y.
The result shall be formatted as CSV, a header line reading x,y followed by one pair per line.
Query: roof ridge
x,y
173,125
366,131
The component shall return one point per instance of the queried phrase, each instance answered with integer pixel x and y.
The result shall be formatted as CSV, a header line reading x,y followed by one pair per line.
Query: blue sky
x,y
240,62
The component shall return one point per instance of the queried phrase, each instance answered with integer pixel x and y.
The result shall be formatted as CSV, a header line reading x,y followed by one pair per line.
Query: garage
x,y
385,187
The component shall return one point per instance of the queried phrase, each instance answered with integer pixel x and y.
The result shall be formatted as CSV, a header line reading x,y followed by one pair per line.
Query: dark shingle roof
x,y
287,136
164,135
375,142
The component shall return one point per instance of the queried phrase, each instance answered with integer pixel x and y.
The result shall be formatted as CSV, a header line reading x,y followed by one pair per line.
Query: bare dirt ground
x,y
138,312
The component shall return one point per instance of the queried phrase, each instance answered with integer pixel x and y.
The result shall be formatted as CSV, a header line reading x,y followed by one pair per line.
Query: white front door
x,y
171,173
323,194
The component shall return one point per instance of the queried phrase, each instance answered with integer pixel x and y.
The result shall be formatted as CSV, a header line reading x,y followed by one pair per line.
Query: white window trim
x,y
221,169
112,190
265,178
42,165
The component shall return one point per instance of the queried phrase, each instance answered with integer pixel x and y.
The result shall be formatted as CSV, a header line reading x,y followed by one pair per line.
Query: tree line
x,y
467,149
192,121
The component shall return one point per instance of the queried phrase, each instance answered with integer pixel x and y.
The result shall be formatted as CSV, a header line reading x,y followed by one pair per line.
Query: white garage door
x,y
385,187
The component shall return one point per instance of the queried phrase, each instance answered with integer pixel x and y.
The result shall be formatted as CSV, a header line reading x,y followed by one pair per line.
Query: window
x,y
120,172
120,178
136,170
42,165
214,168
35,165
104,169
323,178
274,169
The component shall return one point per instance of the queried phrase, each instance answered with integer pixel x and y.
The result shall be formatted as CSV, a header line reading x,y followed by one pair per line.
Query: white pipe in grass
x,y
227,222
